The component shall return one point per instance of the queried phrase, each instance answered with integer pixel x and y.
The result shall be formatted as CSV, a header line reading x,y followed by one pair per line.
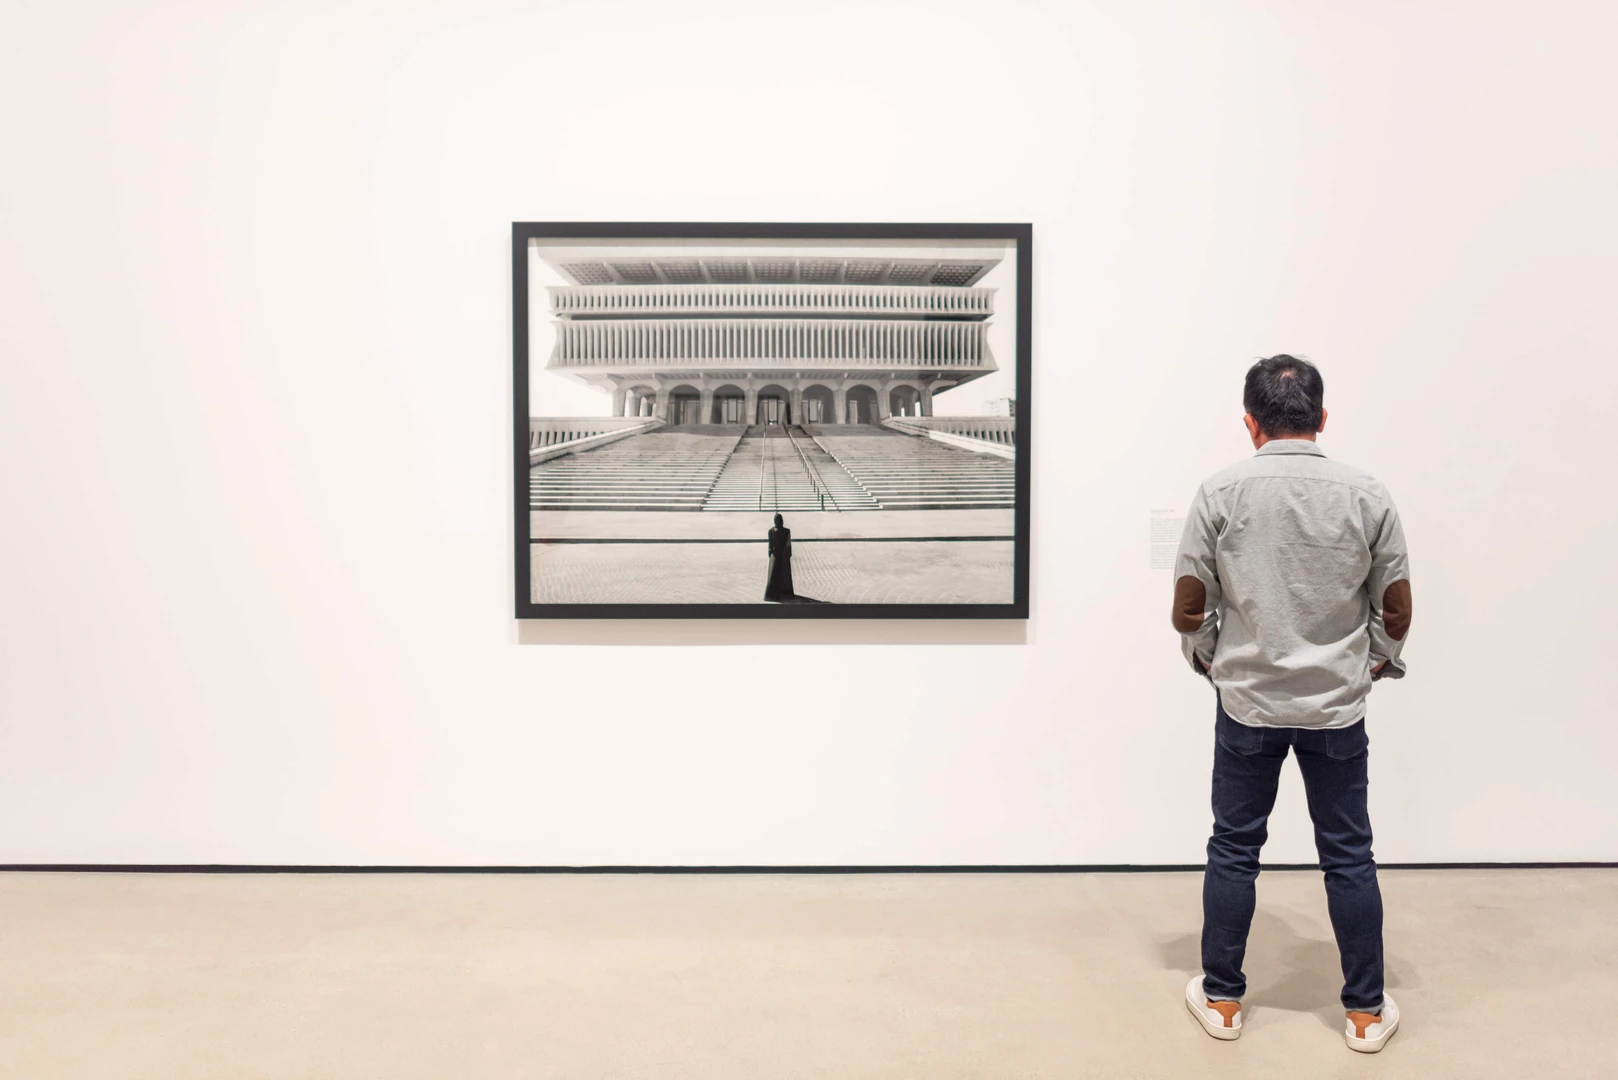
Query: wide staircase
x,y
771,467
909,472
661,470
774,468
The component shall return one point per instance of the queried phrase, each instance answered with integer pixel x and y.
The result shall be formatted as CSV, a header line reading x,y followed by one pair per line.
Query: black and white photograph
x,y
798,421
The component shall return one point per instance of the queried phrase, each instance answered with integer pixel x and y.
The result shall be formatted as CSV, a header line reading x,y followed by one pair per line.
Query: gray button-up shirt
x,y
1291,585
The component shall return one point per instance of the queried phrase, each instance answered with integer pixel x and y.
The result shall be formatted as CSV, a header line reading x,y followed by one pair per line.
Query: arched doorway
x,y
774,405
685,405
862,405
904,401
819,405
728,403
640,401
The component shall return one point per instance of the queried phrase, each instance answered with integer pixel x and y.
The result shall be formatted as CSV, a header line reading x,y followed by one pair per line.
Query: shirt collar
x,y
1290,446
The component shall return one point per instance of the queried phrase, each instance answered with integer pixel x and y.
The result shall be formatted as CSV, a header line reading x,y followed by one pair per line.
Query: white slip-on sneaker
x,y
1367,1032
1212,1015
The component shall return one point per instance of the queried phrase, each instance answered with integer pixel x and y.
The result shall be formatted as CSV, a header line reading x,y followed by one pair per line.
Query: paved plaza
x,y
899,557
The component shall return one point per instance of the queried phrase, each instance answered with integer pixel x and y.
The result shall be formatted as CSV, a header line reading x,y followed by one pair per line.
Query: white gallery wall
x,y
255,465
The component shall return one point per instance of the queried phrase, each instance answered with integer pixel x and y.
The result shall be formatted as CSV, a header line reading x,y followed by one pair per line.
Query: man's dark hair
x,y
1284,394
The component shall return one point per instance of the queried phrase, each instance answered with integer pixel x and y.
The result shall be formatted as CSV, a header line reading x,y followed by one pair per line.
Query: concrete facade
x,y
745,340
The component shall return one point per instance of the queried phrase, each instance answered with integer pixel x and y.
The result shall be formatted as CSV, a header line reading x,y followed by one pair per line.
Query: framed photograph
x,y
771,421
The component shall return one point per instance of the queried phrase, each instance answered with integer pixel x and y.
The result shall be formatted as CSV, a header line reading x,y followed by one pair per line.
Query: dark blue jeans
x,y
1247,768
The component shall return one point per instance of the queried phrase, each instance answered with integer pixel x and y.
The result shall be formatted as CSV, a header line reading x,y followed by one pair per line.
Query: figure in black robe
x,y
779,586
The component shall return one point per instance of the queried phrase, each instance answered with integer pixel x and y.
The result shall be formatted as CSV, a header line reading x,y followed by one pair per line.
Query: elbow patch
x,y
1396,609
1189,597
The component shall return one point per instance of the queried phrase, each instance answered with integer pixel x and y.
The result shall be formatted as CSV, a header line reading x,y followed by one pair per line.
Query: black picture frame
x,y
1020,234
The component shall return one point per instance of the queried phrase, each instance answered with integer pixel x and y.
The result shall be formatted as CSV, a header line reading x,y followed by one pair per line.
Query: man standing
x,y
1291,595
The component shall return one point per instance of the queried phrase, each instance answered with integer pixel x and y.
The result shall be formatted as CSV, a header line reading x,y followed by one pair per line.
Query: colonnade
x,y
658,399
863,300
599,343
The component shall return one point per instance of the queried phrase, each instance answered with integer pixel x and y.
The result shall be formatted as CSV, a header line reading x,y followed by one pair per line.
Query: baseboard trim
x,y
1035,868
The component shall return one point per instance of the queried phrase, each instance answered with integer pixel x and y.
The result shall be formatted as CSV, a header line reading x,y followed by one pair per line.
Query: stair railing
x,y
763,453
822,492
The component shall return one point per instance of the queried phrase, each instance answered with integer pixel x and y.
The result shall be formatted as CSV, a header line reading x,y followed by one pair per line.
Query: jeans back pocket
x,y
1348,743
1236,736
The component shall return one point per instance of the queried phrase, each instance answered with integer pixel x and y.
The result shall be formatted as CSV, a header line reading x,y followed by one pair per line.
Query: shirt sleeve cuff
x,y
1392,669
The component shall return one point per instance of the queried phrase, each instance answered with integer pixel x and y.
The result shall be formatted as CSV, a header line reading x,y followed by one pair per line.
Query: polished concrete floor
x,y
1509,973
